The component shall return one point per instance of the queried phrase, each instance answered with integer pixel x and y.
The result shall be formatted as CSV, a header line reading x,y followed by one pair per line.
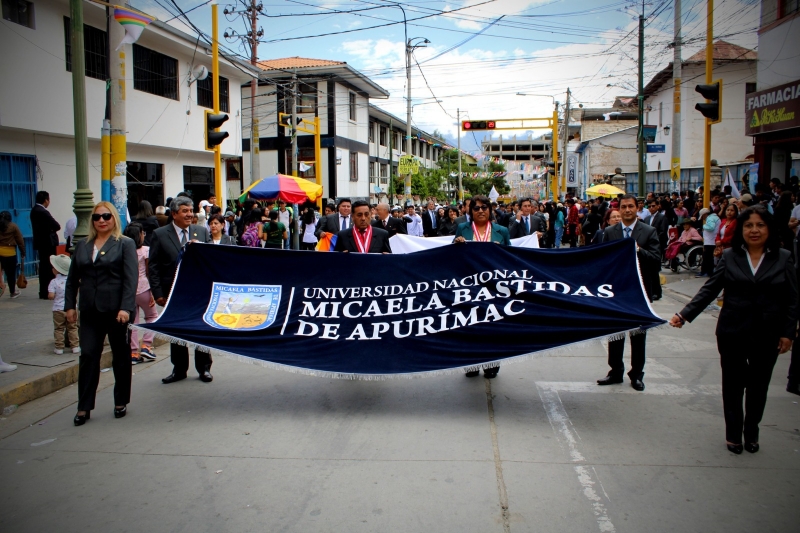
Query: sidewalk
x,y
26,340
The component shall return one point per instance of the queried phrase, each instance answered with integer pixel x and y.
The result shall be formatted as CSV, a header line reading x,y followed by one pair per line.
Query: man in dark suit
x,y
659,221
389,223
429,222
45,240
337,222
647,249
465,214
367,238
166,249
525,223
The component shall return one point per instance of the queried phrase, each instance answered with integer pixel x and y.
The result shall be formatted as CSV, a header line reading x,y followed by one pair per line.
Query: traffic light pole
x,y
675,171
295,162
460,187
709,75
215,90
407,186
554,149
566,140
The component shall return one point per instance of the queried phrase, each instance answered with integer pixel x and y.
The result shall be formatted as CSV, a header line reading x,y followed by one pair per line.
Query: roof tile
x,y
725,51
296,62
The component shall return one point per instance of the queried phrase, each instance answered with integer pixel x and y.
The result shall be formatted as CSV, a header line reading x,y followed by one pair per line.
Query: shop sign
x,y
773,109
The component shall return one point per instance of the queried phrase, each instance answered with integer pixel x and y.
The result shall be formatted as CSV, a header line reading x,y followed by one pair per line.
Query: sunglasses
x,y
97,216
480,207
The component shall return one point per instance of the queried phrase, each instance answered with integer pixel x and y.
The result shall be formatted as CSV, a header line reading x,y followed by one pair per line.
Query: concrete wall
x,y
603,155
777,50
591,129
729,144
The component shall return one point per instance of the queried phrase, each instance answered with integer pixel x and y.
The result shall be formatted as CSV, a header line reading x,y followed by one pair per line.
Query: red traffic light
x,y
490,124
478,125
466,125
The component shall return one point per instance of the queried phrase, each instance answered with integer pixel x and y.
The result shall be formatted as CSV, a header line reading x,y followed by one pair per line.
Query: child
x,y
55,292
144,298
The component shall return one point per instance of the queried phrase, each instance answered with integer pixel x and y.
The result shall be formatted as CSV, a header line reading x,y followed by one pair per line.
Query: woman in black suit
x,y
448,225
758,320
217,225
104,268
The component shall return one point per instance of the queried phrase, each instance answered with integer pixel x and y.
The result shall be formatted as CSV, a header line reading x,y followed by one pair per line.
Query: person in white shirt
x,y
56,292
285,216
69,230
413,222
642,212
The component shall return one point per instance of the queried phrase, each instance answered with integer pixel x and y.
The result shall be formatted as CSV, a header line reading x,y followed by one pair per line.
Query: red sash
x,y
364,243
487,237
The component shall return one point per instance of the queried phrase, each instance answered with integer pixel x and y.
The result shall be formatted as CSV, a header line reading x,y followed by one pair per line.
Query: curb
x,y
38,387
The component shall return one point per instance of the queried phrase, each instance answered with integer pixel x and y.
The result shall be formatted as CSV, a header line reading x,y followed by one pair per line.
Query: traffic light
x,y
214,137
285,120
467,125
712,109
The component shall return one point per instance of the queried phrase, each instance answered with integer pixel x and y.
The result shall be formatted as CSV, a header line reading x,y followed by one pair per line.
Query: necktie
x,y
384,224
433,219
184,239
527,227
628,233
344,223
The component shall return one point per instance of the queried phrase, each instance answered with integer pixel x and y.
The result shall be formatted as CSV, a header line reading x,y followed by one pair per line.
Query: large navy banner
x,y
463,306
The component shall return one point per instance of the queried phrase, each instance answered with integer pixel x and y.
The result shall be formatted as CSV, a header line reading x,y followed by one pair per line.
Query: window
x,y
145,182
306,155
395,140
384,171
413,147
20,12
750,88
95,50
205,93
353,166
198,175
372,132
404,142
307,103
155,73
373,171
382,136
353,115
787,7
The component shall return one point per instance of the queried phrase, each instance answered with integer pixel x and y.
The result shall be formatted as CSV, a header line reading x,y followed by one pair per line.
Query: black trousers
x,y
747,366
615,351
794,366
655,281
179,355
94,326
708,261
46,271
9,266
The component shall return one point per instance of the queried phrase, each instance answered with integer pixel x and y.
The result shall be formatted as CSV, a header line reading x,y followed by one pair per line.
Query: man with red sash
x,y
362,237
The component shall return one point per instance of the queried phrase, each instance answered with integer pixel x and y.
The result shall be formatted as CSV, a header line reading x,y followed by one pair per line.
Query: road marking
x,y
562,426
658,389
498,464
654,369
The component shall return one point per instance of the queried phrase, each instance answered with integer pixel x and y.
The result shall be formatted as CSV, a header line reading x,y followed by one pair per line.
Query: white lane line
x,y
658,389
562,427
654,369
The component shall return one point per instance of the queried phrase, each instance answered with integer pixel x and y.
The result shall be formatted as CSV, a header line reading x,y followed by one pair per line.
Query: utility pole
x,y
709,76
566,140
255,163
407,187
118,159
84,200
458,134
641,154
675,172
295,163
554,150
391,161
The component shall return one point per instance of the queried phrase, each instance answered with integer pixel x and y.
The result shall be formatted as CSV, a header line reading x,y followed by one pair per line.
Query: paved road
x,y
539,449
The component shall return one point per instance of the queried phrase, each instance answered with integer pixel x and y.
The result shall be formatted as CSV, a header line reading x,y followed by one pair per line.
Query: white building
x,y
336,93
736,66
165,118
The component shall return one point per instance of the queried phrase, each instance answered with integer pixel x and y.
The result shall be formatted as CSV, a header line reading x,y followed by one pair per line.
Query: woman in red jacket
x,y
727,228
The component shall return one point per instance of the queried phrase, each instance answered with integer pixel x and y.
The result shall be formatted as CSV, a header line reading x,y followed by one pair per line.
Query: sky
x,y
481,53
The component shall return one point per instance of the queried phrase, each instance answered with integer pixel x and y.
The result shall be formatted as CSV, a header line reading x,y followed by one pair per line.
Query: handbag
x,y
718,250
22,282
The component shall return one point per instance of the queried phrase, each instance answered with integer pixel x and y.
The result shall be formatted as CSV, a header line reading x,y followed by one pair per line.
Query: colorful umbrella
x,y
604,189
280,186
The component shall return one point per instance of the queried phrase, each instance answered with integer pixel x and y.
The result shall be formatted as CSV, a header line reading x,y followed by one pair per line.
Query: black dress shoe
x,y
80,420
637,384
172,378
206,377
119,413
609,380
751,447
794,388
735,448
473,374
491,373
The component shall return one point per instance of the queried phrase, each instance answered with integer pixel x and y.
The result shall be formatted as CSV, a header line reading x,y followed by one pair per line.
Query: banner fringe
x,y
560,350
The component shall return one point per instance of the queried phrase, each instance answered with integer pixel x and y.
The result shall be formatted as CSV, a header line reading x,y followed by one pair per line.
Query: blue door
x,y
17,196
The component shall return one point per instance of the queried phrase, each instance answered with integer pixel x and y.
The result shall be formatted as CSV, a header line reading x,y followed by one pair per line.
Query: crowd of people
x,y
749,248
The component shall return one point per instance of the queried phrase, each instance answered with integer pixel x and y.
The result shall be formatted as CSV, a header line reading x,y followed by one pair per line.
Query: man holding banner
x,y
362,237
649,254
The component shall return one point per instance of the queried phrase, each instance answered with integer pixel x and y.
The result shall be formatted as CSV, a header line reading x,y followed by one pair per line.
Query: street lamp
x,y
411,45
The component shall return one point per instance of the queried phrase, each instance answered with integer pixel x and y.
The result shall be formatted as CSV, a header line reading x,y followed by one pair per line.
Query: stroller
x,y
677,255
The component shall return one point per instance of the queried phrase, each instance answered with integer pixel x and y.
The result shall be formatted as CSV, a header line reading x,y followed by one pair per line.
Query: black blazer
x,y
224,239
393,226
645,236
379,244
149,225
331,224
107,284
165,249
516,228
764,305
660,222
427,224
44,228
447,228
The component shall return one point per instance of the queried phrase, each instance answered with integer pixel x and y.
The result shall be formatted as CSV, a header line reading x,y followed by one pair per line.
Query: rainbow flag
x,y
134,23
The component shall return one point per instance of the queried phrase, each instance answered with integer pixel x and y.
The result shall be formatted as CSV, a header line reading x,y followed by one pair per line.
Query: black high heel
x,y
119,413
80,420
735,448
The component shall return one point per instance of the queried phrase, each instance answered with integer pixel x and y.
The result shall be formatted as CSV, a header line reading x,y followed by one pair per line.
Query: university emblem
x,y
242,307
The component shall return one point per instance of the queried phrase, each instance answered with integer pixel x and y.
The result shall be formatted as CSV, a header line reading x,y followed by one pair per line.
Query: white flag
x,y
729,182
493,194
